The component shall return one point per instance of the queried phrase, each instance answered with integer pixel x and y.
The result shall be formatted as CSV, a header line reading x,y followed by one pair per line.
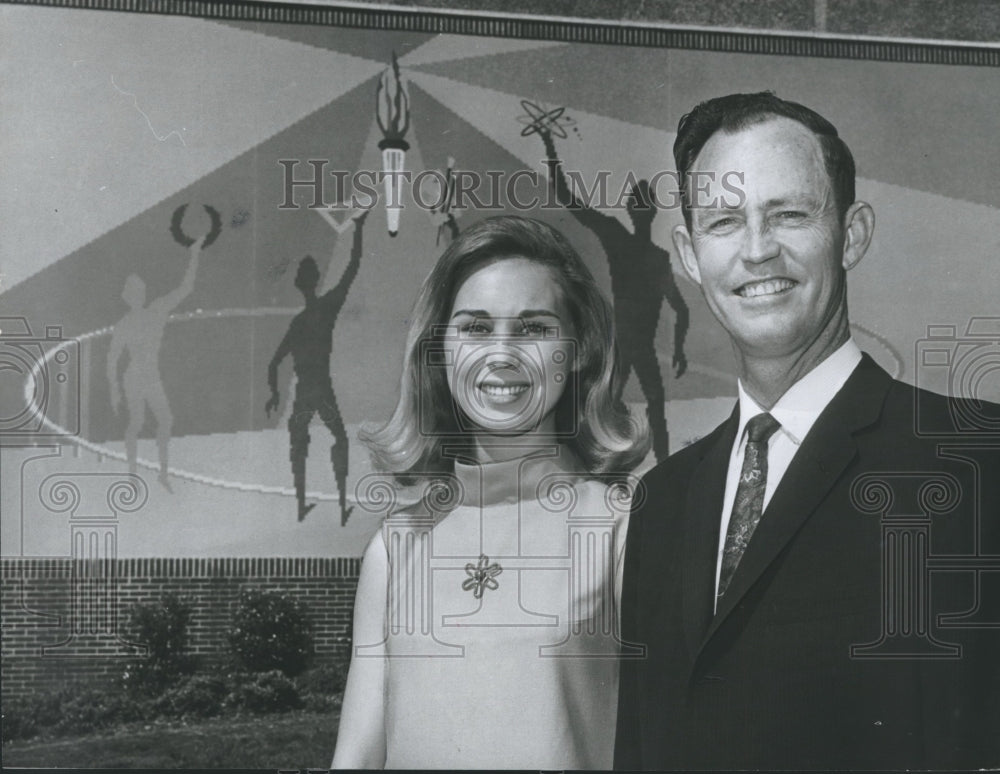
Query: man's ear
x,y
685,250
859,227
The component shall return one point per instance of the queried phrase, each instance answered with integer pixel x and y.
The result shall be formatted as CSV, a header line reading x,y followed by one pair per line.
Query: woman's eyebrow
x,y
538,313
482,313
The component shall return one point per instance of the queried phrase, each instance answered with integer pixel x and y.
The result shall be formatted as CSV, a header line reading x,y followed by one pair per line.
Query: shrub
x,y
78,710
20,719
322,686
162,628
319,703
69,710
325,679
262,692
200,696
93,708
270,631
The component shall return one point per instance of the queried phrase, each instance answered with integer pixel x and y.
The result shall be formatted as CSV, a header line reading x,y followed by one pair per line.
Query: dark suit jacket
x,y
771,680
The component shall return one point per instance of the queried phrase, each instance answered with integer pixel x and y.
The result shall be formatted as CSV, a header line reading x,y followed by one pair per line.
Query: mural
x,y
168,180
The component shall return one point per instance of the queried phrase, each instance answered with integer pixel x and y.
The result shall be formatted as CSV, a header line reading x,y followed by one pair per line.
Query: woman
x,y
484,628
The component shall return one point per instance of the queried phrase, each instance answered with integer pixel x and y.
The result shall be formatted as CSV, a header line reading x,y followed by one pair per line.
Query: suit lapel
x,y
825,453
703,508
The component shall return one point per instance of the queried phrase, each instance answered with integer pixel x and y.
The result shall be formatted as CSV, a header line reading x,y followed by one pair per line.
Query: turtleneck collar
x,y
510,481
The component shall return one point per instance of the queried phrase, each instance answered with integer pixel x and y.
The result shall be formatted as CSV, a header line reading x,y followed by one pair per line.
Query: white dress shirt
x,y
797,411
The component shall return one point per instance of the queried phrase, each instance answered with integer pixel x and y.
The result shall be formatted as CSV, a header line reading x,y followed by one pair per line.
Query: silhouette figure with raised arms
x,y
309,340
140,334
641,278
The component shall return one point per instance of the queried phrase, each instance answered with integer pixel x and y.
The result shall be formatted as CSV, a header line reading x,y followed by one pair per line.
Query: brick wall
x,y
61,619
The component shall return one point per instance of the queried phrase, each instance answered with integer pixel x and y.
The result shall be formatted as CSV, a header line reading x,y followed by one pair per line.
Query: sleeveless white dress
x,y
501,639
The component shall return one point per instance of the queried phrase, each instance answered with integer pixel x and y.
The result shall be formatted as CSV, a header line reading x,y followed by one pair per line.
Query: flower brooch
x,y
481,576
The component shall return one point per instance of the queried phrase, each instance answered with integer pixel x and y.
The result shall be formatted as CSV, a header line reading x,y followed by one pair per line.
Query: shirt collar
x,y
799,408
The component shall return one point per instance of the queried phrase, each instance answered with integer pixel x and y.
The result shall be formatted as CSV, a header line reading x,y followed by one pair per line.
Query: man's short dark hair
x,y
736,112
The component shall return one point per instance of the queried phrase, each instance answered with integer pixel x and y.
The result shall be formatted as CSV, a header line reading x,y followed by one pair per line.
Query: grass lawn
x,y
292,740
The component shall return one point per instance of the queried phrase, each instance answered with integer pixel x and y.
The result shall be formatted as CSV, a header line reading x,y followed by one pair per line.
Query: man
x,y
309,340
641,278
777,569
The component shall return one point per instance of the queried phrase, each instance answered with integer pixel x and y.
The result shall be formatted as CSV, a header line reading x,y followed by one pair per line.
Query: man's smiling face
x,y
772,268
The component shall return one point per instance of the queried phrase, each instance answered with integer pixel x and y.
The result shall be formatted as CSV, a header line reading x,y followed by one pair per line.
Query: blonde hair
x,y
595,426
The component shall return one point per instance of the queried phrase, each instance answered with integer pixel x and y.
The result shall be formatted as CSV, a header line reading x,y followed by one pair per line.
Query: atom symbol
x,y
539,119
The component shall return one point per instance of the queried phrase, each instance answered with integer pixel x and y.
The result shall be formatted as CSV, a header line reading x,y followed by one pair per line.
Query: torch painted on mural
x,y
392,111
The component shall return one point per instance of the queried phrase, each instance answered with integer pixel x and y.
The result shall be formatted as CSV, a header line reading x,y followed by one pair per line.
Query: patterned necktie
x,y
749,503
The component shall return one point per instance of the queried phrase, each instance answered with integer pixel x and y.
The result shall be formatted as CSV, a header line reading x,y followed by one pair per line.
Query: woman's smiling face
x,y
511,351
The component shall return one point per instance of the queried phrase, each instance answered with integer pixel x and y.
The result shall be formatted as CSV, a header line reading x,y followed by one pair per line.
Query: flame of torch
x,y
392,111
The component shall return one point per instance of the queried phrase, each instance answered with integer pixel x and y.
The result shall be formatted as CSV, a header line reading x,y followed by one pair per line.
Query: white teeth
x,y
765,288
502,390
